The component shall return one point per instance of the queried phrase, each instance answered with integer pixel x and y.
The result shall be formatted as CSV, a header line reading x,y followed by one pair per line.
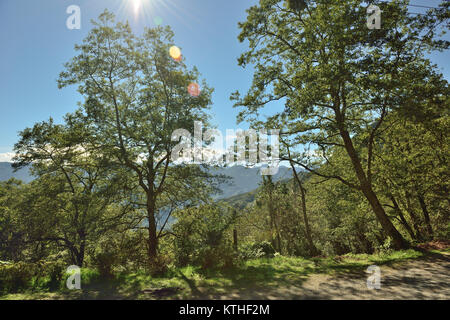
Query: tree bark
x,y
276,243
312,248
367,190
426,215
402,218
414,217
152,236
80,258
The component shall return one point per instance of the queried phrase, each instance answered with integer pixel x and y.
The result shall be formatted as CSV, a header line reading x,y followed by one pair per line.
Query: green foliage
x,y
135,98
297,4
216,257
386,247
340,81
255,250
159,266
104,263
16,277
202,236
20,276
365,115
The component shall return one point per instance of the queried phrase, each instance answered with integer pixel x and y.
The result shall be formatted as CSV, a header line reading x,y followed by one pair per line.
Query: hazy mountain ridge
x,y
7,172
242,179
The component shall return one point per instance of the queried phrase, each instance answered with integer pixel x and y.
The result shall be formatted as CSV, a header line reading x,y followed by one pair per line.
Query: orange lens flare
x,y
194,89
175,53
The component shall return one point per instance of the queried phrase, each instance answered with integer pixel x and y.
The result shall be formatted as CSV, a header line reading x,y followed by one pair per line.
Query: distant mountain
x,y
7,172
241,200
242,180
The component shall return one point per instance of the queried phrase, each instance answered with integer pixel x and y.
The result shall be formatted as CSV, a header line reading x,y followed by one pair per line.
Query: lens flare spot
x,y
158,20
194,89
175,53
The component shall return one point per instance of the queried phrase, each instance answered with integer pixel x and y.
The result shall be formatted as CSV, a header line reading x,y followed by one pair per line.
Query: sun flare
x,y
137,5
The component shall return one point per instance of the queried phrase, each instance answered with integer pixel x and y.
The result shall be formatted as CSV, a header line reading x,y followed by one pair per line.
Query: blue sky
x,y
35,43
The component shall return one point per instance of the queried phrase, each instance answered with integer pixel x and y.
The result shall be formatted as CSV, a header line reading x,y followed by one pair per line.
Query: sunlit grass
x,y
250,275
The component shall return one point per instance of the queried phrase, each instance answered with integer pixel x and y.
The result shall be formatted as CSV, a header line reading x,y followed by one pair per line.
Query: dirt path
x,y
422,279
419,279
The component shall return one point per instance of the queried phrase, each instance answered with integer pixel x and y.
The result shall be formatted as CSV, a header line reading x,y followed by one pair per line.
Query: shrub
x,y
255,250
56,272
49,275
220,257
159,265
104,262
15,277
386,247
88,277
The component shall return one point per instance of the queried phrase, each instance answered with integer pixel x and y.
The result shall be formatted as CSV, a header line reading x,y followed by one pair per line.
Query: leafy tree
x,y
11,235
413,172
135,97
75,197
342,218
202,235
339,80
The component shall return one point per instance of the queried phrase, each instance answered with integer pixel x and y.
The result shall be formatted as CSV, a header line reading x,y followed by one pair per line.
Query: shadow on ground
x,y
425,278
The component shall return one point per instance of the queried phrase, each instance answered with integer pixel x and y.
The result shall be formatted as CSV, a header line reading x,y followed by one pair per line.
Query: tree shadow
x,y
191,284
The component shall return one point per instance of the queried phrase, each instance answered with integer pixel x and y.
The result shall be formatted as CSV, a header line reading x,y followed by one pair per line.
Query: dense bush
x,y
104,263
203,237
220,257
254,250
158,266
16,277
54,272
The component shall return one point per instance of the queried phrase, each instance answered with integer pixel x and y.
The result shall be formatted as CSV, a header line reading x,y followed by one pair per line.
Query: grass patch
x,y
191,282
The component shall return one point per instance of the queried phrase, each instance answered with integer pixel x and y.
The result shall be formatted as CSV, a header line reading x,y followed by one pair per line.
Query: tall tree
x,y
312,248
411,160
339,79
269,188
135,97
75,197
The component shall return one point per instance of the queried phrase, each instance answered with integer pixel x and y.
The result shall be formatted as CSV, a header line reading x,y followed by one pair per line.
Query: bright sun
x,y
137,5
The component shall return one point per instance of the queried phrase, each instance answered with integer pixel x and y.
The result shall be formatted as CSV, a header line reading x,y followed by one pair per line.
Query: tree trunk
x,y
399,241
312,248
367,190
80,258
414,218
402,218
426,215
77,256
235,240
305,220
279,241
152,236
276,242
